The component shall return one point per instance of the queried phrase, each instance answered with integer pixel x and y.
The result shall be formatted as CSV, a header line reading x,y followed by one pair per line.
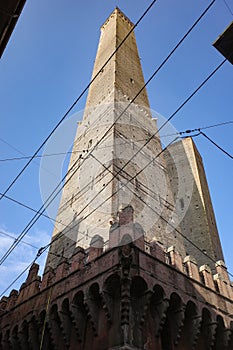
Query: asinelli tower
x,y
122,164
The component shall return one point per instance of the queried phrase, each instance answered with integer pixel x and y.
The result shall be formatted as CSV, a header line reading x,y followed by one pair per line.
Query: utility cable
x,y
215,144
26,243
37,215
29,208
15,238
78,98
188,131
38,156
228,7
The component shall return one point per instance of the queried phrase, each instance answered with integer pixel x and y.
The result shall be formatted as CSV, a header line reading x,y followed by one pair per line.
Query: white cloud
x,y
21,257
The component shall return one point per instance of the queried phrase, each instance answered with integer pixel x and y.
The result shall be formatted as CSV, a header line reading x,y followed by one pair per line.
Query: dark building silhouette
x,y
10,11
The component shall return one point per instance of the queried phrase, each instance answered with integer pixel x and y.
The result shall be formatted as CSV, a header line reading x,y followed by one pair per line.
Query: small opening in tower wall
x,y
132,81
181,203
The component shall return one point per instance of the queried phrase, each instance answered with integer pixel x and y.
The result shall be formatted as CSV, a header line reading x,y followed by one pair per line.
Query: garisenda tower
x,y
135,260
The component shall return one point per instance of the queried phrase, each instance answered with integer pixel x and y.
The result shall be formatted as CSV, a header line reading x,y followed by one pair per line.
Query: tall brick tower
x,y
193,203
118,277
115,171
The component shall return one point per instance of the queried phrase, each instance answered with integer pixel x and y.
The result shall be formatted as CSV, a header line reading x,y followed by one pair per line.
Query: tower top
x,y
117,13
122,78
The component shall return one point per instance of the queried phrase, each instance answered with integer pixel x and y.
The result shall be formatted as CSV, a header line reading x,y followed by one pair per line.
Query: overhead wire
x,y
108,146
228,7
216,145
14,238
38,156
36,216
25,243
188,131
29,207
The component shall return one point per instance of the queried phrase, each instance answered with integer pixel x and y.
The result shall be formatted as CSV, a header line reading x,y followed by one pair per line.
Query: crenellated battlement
x,y
102,287
86,263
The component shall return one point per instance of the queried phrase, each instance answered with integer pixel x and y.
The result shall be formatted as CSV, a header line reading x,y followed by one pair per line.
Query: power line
x,y
28,207
28,244
228,7
215,144
36,216
206,127
38,156
78,98
188,131
15,238
21,274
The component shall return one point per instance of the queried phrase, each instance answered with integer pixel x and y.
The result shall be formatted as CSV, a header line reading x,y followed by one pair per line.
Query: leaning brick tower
x,y
119,278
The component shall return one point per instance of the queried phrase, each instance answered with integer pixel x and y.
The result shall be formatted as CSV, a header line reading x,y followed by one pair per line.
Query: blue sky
x,y
49,60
